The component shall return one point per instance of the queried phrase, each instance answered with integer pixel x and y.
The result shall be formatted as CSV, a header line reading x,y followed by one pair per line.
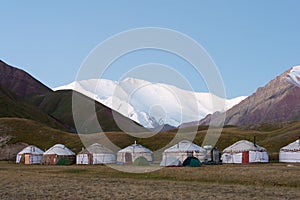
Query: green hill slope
x,y
35,133
59,105
23,96
270,138
31,132
14,106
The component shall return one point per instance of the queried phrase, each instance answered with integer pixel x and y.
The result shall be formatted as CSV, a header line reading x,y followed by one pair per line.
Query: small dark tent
x,y
141,161
191,162
63,161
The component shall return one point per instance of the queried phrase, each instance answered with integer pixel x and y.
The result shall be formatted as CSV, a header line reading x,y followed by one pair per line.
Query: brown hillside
x,y
278,101
20,82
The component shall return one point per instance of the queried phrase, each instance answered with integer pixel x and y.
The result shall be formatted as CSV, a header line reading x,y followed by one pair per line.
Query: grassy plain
x,y
254,181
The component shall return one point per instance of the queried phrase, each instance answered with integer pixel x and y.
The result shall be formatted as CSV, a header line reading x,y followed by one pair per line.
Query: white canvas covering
x,y
35,155
184,149
132,152
170,161
234,153
95,154
290,153
59,149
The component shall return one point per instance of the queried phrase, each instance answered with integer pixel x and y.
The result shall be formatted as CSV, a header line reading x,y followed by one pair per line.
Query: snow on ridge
x,y
152,104
293,76
69,86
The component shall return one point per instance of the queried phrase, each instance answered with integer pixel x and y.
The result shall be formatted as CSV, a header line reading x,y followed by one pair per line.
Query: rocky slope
x,y
278,101
19,82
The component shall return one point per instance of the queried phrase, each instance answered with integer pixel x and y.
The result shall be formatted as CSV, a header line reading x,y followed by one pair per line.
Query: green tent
x,y
191,162
141,161
63,161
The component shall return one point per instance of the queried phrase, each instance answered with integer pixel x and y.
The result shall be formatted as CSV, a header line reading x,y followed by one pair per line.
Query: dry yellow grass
x,y
257,181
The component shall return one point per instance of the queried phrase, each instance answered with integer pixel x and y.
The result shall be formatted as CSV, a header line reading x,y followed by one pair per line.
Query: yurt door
x,y
128,158
245,157
27,159
52,159
91,159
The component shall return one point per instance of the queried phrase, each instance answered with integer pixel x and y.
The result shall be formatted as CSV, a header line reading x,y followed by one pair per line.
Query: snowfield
x,y
152,104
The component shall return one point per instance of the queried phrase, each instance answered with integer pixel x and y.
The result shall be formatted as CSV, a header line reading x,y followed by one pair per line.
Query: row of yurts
x,y
240,152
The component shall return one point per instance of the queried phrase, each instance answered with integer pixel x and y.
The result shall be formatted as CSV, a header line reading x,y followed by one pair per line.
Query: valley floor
x,y
255,181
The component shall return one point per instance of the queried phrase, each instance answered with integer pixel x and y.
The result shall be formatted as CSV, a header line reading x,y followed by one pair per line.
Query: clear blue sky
x,y
250,41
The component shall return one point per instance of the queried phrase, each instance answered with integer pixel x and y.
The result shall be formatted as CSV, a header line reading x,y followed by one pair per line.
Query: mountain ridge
x,y
23,96
151,104
14,92
59,105
277,101
20,82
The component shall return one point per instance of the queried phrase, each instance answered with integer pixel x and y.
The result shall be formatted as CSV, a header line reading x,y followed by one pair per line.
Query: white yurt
x,y
30,155
170,161
95,154
132,152
184,149
290,153
244,152
58,154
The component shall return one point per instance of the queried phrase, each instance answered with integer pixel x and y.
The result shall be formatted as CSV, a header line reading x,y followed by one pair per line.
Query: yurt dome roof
x,y
294,146
32,150
185,146
136,148
59,149
242,146
96,149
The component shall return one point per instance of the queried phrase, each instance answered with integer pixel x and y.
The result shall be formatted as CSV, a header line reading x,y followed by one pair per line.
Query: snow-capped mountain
x,y
277,101
152,104
293,76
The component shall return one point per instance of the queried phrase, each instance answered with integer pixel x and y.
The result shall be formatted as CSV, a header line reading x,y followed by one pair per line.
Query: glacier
x,y
152,104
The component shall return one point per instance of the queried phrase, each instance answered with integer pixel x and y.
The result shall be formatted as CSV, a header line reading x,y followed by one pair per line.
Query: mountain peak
x,y
152,104
293,76
20,82
277,101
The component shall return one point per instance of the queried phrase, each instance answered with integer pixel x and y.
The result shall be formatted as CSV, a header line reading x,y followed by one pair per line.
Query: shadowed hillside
x,y
59,105
14,106
15,87
20,82
22,96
